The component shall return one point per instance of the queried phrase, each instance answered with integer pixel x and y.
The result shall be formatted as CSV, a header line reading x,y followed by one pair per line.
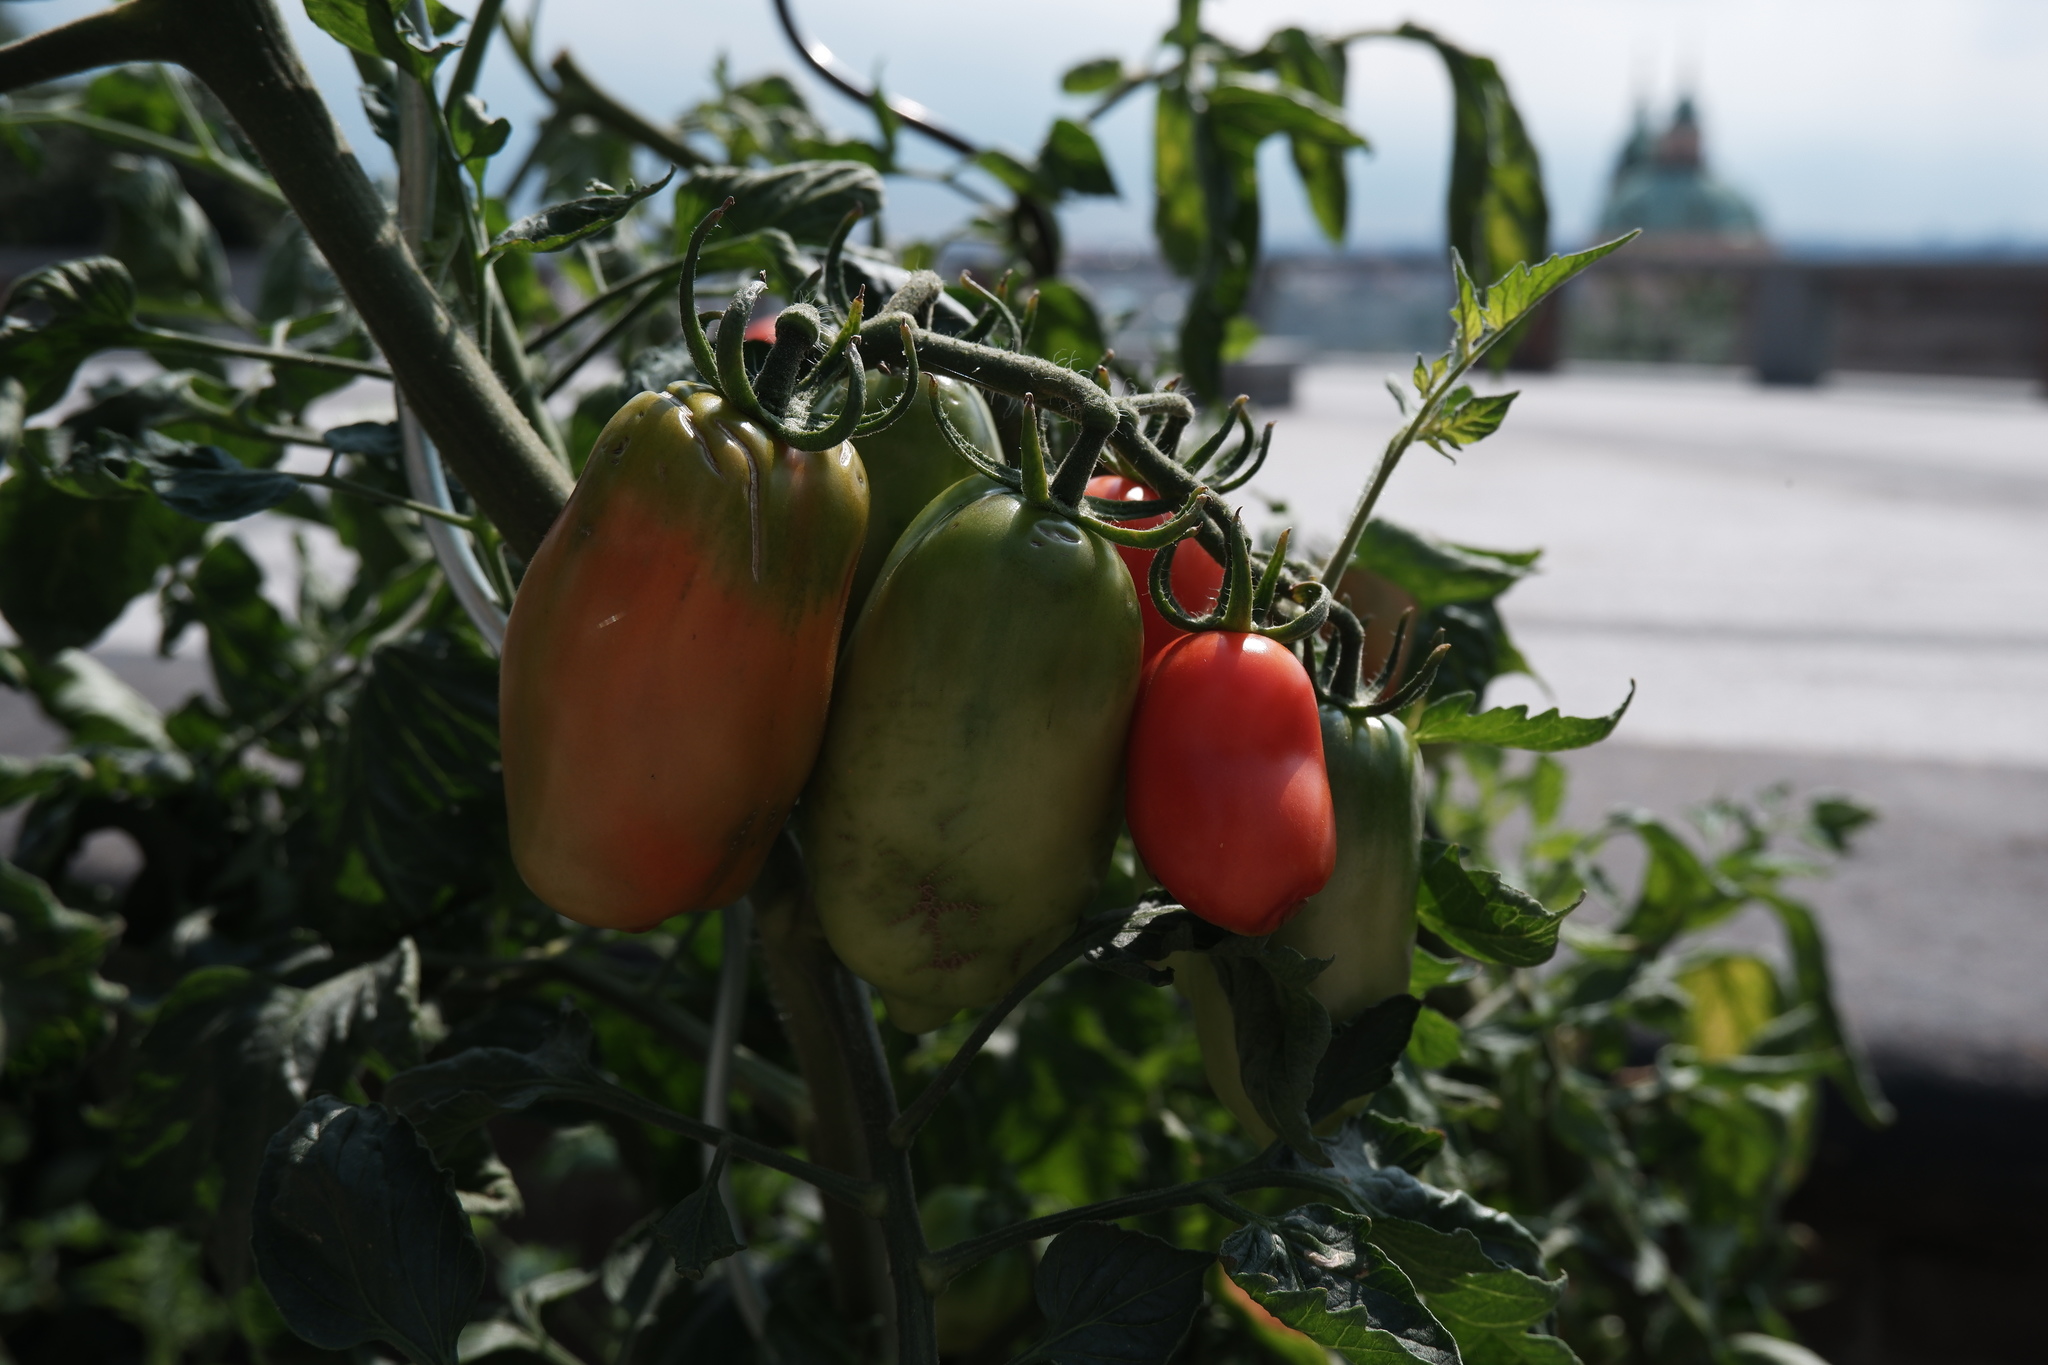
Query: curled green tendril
x,y
962,447
1239,416
842,427
1415,687
1183,523
730,357
1314,600
901,407
832,278
693,322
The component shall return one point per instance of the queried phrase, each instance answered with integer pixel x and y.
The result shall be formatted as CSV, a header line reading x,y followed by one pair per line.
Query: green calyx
x,y
794,380
1341,683
1049,491
1245,606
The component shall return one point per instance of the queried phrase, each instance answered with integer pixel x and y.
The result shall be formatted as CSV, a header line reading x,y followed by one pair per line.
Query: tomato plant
x,y
329,1078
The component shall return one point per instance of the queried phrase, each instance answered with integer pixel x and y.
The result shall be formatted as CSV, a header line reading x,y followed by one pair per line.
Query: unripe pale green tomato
x,y
965,800
986,1297
1363,918
910,462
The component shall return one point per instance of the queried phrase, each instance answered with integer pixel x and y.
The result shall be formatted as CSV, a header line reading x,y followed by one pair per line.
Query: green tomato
x,y
986,1297
1363,918
910,462
965,801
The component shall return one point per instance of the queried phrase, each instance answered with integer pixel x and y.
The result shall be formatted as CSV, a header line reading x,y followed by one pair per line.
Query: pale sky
x,y
1875,124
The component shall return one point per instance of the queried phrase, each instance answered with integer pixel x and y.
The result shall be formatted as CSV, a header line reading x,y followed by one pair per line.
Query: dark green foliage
x,y
360,1237
1113,1296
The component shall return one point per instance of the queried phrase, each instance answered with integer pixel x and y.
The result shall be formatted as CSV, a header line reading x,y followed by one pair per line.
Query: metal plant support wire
x,y
424,476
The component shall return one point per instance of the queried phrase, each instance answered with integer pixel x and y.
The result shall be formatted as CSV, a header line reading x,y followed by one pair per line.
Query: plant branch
x,y
939,1267
171,149
193,341
555,331
867,1065
836,73
1397,446
242,51
1088,934
778,1093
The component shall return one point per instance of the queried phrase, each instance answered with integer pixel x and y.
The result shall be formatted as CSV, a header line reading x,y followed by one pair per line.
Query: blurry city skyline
x,y
1880,125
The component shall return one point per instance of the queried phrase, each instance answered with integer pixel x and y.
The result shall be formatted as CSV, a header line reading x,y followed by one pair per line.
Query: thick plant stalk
x,y
800,974
241,50
725,1035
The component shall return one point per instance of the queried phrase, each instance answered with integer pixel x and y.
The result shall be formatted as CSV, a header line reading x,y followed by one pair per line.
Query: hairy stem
x,y
867,1065
241,50
193,341
1397,446
940,1266
800,969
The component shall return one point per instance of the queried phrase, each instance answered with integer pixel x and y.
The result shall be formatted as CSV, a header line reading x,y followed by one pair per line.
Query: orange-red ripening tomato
x,y
669,660
1197,578
1227,797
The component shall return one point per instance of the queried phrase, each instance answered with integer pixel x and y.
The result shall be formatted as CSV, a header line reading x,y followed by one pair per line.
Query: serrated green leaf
x,y
1515,1348
1180,219
1314,1270
1450,720
698,1232
1015,176
1088,77
1282,1031
1480,915
169,245
1679,893
1252,110
1814,979
1112,1297
359,1236
1467,419
1311,62
563,225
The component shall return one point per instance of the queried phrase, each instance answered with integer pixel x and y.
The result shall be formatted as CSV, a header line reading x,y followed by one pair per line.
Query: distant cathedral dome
x,y
1661,184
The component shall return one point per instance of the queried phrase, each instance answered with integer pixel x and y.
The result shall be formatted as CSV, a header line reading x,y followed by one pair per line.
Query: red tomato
x,y
1227,796
1197,578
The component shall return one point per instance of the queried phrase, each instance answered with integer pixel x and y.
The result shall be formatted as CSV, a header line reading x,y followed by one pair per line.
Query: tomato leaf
x,y
1362,1055
1313,1269
1479,914
359,1236
1465,419
91,306
1480,318
54,1005
1066,328
806,199
1071,161
1427,971
1112,1297
1091,76
1151,934
1438,573
1282,1032
371,28
449,1098
565,224
1450,720
231,1054
1436,1041
1397,1142
698,1231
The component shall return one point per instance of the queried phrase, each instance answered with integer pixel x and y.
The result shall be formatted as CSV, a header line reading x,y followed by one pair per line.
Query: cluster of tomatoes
x,y
959,689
